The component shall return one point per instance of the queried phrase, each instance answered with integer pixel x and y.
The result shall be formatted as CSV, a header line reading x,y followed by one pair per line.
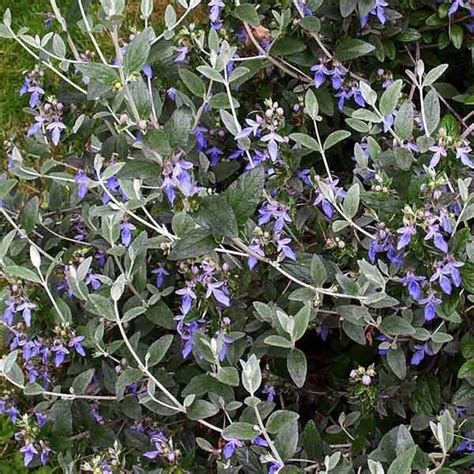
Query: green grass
x,y
14,60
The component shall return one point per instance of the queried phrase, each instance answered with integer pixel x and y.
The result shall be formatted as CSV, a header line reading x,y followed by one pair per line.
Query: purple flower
x,y
214,152
160,273
126,233
55,128
465,446
45,450
188,296
412,282
439,152
273,210
275,467
377,10
320,73
171,93
183,54
337,76
283,247
443,280
60,354
406,232
76,343
200,134
430,303
83,181
29,451
270,392
421,350
462,153
93,280
433,233
147,70
215,8
230,447
41,419
255,246
25,307
218,290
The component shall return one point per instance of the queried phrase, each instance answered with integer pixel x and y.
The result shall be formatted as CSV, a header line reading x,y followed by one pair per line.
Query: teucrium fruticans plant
x,y
237,237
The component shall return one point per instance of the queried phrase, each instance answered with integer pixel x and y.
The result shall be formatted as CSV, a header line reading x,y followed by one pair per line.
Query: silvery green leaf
x,y
397,362
404,121
17,271
210,73
390,97
240,430
248,14
170,17
59,47
137,52
146,8
158,349
330,462
351,201
311,104
5,32
346,7
297,366
201,409
8,361
251,374
7,17
433,75
396,326
278,419
118,287
305,140
193,82
369,95
82,381
228,376
375,467
5,244
366,115
372,273
432,111
318,271
335,137
238,73
402,463
35,256
351,48
229,122
278,341
403,158
301,322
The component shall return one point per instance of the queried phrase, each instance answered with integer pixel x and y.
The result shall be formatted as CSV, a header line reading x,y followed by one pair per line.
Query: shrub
x,y
241,244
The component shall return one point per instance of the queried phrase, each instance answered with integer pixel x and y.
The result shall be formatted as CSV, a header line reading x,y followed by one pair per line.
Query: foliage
x,y
243,244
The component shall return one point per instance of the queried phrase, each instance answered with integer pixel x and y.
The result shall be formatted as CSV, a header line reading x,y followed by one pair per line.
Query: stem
x,y
50,296
65,396
89,32
234,113
143,368
23,235
328,171
267,437
178,406
126,89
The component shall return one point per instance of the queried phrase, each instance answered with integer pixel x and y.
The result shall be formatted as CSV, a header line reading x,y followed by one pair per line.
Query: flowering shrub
x,y
241,245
